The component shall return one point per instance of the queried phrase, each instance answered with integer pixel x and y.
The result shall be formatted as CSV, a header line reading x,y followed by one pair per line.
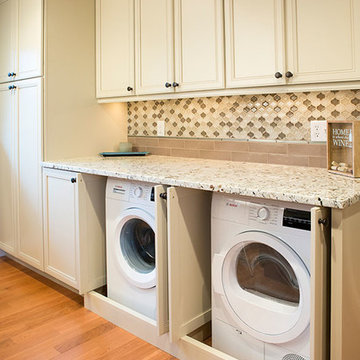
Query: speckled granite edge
x,y
276,182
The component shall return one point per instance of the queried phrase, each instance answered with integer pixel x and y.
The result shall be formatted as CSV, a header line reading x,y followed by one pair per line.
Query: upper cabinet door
x,y
7,39
255,44
199,51
30,39
154,50
115,48
323,40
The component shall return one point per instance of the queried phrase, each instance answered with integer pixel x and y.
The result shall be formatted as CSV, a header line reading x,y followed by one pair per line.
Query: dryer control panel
x,y
264,214
261,214
297,219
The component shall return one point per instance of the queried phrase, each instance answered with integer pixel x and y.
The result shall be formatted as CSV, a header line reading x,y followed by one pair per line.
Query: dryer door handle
x,y
217,264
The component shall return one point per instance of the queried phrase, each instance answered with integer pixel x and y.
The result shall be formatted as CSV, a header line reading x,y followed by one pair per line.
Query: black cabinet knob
x,y
73,180
323,222
175,84
278,75
13,74
167,85
289,74
129,88
9,75
11,87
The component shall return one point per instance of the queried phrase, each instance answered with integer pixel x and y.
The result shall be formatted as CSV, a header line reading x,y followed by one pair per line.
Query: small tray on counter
x,y
132,153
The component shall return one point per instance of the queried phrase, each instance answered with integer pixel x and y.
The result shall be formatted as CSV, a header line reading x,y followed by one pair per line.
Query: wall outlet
x,y
161,128
318,131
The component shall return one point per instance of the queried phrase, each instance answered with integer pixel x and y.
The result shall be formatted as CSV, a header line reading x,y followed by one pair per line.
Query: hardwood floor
x,y
42,320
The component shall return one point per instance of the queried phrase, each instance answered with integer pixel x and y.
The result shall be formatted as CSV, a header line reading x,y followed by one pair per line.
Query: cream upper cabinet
x,y
30,39
291,42
115,48
254,41
29,156
20,39
154,46
7,178
7,39
323,40
193,47
199,50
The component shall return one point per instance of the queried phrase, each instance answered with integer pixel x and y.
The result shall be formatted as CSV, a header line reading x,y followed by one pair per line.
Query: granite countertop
x,y
304,185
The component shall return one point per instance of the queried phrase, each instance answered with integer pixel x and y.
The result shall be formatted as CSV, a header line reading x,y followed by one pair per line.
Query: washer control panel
x,y
130,191
141,192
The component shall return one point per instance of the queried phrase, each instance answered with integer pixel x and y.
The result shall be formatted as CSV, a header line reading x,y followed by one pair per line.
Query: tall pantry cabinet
x,y
48,109
21,130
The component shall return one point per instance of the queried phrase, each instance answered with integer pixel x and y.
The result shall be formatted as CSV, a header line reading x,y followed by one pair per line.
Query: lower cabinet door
x,y
320,283
189,260
161,251
29,184
61,231
74,228
7,170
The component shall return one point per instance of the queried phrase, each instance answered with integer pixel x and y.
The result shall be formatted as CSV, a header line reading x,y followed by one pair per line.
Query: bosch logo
x,y
231,204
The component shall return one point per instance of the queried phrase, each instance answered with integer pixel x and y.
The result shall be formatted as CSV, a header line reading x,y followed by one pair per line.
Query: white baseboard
x,y
42,273
130,321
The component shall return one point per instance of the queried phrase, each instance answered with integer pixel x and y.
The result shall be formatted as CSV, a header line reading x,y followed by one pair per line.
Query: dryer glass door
x,y
266,286
264,272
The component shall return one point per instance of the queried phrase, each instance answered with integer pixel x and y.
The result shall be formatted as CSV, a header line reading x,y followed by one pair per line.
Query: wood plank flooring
x,y
41,320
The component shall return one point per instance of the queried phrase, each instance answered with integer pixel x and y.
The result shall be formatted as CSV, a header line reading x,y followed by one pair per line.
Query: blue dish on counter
x,y
133,153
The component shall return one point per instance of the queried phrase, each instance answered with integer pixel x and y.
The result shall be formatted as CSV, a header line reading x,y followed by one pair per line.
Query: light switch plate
x,y
161,128
318,131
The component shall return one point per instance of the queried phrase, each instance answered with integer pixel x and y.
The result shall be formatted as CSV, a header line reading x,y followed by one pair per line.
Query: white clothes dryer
x,y
260,278
130,245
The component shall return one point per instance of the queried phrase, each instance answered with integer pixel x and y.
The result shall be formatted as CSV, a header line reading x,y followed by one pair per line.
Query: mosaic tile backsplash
x,y
283,117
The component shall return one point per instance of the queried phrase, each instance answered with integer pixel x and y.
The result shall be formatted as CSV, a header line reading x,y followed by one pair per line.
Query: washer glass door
x,y
266,287
137,242
135,247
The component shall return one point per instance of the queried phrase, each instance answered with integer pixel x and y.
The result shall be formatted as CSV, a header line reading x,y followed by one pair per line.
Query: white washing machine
x,y
260,278
130,245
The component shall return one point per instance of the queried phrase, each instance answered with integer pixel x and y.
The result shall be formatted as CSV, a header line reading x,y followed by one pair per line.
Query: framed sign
x,y
343,147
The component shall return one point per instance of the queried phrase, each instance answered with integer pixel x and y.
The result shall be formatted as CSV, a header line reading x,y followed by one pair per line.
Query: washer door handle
x,y
217,264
